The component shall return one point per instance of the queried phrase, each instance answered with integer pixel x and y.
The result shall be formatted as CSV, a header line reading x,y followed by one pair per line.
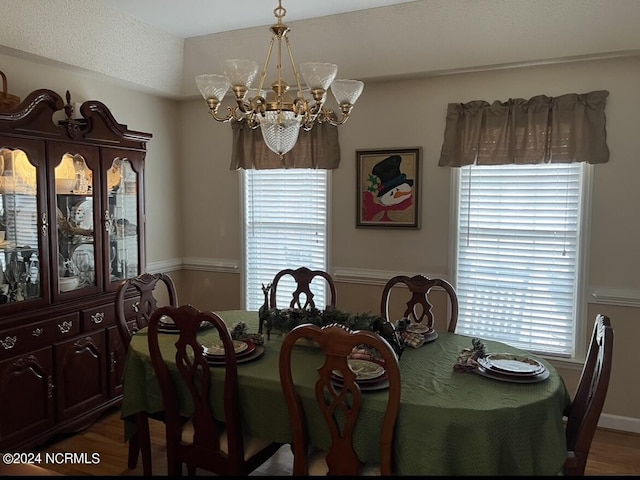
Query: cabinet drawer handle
x,y
44,224
97,318
9,342
37,332
65,327
135,307
113,362
50,386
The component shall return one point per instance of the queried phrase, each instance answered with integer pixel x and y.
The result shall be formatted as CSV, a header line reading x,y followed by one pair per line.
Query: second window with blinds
x,y
285,226
519,254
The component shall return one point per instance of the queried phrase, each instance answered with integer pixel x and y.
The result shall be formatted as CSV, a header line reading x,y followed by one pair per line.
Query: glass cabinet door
x,y
75,216
20,272
123,214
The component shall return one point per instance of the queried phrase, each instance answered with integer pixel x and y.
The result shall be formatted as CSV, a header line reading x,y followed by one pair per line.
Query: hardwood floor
x,y
612,452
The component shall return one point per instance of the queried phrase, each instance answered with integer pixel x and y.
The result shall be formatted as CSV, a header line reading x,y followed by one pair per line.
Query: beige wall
x,y
194,203
411,113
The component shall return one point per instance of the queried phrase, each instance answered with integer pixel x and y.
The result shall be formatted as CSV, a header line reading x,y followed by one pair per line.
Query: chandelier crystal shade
x,y
278,113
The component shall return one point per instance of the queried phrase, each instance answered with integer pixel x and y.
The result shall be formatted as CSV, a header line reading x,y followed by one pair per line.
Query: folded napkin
x,y
412,339
467,361
409,339
363,352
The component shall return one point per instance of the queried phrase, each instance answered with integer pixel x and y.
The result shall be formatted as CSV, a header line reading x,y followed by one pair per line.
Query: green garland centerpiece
x,y
284,320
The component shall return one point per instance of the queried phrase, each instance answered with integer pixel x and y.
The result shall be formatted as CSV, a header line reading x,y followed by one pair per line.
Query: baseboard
x,y
616,422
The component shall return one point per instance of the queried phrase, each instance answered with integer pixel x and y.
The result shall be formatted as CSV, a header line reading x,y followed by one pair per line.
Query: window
x,y
285,226
518,254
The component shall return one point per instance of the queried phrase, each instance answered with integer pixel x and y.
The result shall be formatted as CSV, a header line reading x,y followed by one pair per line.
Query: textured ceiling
x,y
189,18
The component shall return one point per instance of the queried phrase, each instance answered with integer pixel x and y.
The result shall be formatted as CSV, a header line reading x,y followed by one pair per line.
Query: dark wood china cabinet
x,y
72,226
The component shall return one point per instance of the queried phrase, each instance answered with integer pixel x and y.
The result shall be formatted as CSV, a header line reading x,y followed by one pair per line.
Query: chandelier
x,y
278,113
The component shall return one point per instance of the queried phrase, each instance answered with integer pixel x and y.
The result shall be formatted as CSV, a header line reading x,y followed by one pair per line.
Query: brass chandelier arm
x,y
328,115
232,113
213,104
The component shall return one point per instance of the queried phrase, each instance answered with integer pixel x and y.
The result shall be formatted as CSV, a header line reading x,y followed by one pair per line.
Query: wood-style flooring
x,y
612,452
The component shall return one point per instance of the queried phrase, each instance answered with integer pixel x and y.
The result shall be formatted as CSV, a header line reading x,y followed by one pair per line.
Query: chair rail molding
x,y
623,297
171,265
374,277
210,265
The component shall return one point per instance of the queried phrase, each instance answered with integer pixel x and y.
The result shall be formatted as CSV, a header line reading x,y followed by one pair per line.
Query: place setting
x,y
167,325
415,334
512,368
506,367
370,375
245,350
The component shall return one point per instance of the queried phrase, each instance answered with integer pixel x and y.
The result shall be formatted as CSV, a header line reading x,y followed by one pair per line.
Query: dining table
x,y
450,422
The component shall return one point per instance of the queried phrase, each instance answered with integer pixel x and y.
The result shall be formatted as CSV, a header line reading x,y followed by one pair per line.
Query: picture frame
x,y
388,188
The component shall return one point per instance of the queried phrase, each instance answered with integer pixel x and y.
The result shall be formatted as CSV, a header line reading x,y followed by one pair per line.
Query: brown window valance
x,y
317,148
564,129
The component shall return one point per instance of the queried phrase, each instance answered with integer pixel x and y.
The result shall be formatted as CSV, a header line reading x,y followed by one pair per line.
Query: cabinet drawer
x,y
98,317
21,339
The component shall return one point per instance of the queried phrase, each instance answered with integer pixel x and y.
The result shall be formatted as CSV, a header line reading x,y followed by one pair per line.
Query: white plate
x,y
84,262
83,258
82,214
216,347
510,363
430,337
170,327
539,377
417,328
364,369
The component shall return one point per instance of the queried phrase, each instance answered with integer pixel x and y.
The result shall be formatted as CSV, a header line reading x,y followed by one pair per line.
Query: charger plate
x,y
511,364
167,326
242,349
364,369
216,348
220,362
372,384
539,377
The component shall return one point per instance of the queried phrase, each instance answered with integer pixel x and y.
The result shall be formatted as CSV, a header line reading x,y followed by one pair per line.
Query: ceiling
x,y
190,18
159,46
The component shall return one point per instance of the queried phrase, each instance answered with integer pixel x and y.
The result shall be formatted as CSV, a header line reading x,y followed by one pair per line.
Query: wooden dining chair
x,y
136,299
586,407
303,277
419,306
337,342
199,439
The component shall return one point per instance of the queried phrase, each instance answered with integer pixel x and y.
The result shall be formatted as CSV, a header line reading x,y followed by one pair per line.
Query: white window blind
x,y
518,254
285,214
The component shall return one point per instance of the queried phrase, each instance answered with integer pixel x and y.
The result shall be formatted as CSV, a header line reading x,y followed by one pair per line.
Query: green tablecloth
x,y
450,423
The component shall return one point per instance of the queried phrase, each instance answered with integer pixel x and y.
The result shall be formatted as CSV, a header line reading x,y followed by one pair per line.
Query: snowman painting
x,y
388,196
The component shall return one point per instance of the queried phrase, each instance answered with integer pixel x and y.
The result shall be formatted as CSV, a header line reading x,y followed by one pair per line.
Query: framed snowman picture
x,y
388,188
